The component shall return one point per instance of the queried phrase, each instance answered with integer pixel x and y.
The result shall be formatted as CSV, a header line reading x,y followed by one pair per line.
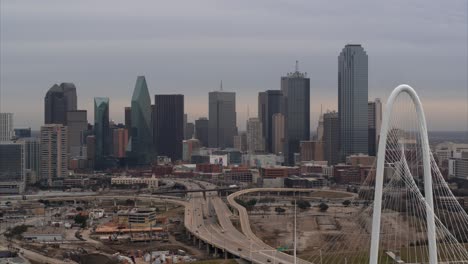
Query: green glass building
x,y
101,128
141,149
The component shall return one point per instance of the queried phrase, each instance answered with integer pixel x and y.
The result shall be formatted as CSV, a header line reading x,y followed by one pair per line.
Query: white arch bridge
x,y
412,215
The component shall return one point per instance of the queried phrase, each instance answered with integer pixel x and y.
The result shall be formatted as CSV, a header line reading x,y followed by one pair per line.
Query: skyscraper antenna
x,y
248,112
221,86
297,66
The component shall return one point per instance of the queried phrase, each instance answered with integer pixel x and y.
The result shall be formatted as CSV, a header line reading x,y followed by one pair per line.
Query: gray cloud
x,y
187,47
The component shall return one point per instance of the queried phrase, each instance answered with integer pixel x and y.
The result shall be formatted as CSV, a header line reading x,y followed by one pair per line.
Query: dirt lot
x,y
316,229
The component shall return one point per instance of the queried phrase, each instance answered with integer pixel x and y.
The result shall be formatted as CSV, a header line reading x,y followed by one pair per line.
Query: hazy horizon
x,y
248,45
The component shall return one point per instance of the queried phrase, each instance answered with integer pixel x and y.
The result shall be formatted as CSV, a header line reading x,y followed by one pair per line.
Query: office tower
x,y
32,151
101,129
58,100
168,125
352,100
311,150
331,134
222,119
320,126
189,147
128,119
91,151
269,103
374,112
189,130
142,129
240,142
22,133
296,93
201,130
255,142
278,133
54,149
77,123
6,127
185,124
12,167
120,142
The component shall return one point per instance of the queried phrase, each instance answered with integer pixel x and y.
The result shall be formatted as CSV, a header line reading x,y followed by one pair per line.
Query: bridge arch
x,y
379,179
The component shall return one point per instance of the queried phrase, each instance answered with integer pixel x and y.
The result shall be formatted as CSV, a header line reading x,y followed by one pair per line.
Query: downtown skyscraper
x,y
101,130
296,110
141,133
352,100
169,125
375,123
222,119
6,126
58,101
269,103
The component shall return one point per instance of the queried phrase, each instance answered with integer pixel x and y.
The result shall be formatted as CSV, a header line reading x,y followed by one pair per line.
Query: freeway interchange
x,y
209,220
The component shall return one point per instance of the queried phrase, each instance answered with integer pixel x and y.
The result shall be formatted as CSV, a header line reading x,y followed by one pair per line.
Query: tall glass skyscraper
x,y
58,100
352,100
101,129
222,119
169,125
296,93
141,132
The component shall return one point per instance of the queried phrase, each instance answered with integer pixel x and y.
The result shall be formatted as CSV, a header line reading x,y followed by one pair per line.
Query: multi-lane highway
x,y
209,219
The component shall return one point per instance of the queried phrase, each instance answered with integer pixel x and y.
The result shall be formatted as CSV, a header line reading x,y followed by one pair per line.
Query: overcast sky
x,y
189,46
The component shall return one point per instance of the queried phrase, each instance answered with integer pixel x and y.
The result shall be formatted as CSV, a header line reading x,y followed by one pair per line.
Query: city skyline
x,y
246,63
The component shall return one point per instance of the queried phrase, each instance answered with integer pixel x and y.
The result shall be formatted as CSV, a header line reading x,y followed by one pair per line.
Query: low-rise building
x,y
458,168
302,182
150,182
137,218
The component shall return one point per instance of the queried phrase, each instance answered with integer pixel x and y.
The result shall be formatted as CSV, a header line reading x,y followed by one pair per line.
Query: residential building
x,y
54,152
6,126
255,140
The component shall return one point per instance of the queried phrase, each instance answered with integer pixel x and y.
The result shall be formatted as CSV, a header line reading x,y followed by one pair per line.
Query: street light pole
x,y
295,232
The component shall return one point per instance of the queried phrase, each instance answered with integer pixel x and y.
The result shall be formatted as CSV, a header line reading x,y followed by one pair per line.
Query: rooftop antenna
x,y
221,86
248,112
297,66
